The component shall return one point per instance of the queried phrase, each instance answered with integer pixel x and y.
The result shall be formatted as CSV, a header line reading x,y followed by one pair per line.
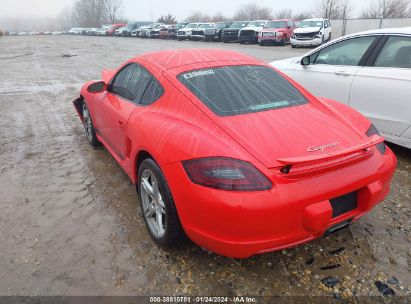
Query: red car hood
x,y
297,134
277,29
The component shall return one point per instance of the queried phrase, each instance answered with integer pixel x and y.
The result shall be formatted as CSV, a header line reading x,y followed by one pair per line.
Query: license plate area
x,y
344,203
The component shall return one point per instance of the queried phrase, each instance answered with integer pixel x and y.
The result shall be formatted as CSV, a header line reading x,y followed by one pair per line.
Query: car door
x,y
332,69
382,91
124,93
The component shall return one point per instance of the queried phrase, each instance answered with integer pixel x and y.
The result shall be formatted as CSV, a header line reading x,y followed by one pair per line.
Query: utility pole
x,y
383,13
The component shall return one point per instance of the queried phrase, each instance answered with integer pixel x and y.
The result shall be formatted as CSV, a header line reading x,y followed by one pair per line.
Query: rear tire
x,y
157,206
89,127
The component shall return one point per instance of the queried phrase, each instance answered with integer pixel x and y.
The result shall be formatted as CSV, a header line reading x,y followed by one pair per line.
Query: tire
x,y
329,38
157,206
89,127
293,46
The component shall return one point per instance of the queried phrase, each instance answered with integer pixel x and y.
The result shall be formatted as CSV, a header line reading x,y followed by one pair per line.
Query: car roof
x,y
169,59
274,20
400,30
315,19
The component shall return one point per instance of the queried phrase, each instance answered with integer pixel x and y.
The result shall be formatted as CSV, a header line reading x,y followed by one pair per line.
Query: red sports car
x,y
232,153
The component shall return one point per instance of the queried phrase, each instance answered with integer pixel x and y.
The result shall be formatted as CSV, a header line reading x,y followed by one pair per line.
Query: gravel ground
x,y
70,222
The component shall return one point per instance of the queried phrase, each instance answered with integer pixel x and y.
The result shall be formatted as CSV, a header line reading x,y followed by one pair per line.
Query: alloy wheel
x,y
153,205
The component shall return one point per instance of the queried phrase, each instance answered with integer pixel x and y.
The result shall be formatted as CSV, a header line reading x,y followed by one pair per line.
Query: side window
x,y
396,53
153,92
325,24
131,82
347,52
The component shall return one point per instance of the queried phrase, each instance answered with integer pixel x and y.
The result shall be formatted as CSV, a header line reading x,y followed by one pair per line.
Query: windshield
x,y
234,90
180,25
206,25
191,25
256,24
238,25
276,24
311,24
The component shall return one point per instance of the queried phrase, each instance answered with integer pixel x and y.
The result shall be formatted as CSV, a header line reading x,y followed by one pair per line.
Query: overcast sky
x,y
151,10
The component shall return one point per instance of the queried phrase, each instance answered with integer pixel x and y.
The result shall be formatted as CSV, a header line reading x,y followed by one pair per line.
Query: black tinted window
x,y
153,92
131,82
233,90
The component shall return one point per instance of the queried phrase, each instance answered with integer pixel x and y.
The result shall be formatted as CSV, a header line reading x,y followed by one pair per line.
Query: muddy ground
x,y
69,218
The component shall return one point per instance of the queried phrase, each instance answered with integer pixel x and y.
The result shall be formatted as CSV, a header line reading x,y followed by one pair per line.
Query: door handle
x,y
342,73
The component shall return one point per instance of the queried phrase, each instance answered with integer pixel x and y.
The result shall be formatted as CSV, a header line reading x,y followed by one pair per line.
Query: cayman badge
x,y
322,148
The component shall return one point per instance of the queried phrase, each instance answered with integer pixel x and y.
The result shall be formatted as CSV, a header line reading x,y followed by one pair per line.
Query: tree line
x,y
329,9
94,13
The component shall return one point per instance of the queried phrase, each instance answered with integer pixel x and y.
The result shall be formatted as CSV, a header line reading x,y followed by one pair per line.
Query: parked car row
x,y
309,32
35,33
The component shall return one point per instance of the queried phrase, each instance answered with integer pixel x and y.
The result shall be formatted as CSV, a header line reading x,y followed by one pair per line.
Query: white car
x,y
312,32
369,71
251,31
185,32
75,31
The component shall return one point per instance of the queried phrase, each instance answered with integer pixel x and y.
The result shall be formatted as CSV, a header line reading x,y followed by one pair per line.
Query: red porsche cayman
x,y
232,153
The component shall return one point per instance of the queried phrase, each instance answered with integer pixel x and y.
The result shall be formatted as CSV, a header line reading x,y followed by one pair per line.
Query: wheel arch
x,y
141,155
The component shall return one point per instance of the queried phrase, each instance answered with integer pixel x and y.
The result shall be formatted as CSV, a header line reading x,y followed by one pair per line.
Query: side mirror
x,y
97,87
306,60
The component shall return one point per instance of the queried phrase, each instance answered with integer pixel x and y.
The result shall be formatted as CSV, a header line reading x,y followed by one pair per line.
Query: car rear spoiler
x,y
303,160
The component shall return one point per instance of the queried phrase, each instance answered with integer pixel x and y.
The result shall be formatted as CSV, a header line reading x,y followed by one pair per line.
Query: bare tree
x,y
332,9
218,17
167,19
198,17
253,11
112,10
283,14
94,13
88,13
302,15
388,9
64,19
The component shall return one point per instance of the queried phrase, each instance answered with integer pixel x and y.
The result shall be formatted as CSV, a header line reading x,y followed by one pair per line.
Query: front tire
x,y
89,127
157,206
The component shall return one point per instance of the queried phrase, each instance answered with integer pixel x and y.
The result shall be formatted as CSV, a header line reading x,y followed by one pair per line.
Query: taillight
x,y
226,174
372,130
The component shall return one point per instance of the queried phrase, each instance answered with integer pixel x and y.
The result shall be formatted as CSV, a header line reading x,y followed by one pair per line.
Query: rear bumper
x,y
243,224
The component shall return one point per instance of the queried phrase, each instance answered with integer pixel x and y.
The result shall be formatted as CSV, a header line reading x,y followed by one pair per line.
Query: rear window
x,y
234,90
